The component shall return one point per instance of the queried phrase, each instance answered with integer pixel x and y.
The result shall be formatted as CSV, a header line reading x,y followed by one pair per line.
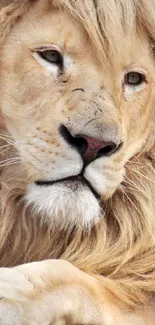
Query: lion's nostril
x,y
90,148
97,148
77,142
108,150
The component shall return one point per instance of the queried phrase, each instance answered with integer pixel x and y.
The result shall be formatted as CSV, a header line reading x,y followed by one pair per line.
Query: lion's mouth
x,y
73,182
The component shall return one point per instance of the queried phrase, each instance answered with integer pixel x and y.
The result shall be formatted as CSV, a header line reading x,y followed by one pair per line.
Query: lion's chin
x,y
64,203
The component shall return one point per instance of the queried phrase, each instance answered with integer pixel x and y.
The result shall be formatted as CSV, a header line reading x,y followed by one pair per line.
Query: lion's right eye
x,y
134,78
52,56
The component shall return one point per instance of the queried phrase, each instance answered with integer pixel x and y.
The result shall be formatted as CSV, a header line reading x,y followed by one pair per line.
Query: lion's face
x,y
76,121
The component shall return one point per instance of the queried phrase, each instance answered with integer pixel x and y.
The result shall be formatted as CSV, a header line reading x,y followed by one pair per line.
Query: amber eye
x,y
52,56
134,78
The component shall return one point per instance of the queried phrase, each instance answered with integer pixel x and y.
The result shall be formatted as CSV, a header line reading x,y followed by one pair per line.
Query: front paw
x,y
51,292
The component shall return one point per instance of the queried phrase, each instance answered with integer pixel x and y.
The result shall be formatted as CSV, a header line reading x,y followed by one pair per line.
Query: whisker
x,y
10,164
6,135
129,199
6,145
144,176
130,182
10,159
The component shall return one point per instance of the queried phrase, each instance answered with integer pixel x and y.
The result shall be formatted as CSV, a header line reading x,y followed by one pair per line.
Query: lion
x,y
77,166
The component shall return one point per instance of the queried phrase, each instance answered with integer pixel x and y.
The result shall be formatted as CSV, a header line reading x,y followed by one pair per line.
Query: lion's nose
x,y
90,148
95,148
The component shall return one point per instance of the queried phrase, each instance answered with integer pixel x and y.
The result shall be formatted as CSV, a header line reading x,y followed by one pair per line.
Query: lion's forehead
x,y
47,26
50,28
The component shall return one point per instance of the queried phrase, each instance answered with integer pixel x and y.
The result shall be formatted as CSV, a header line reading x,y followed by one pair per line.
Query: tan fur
x,y
119,250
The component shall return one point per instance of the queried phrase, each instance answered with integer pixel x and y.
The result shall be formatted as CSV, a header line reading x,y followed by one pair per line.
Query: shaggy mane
x,y
121,248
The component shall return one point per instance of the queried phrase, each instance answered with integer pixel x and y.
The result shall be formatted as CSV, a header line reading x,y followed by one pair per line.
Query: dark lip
x,y
79,178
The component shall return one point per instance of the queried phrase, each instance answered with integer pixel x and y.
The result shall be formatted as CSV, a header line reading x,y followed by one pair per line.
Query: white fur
x,y
63,205
98,177
131,91
67,163
74,204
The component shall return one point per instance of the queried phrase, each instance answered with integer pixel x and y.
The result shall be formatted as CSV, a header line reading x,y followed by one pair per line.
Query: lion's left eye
x,y
134,78
52,56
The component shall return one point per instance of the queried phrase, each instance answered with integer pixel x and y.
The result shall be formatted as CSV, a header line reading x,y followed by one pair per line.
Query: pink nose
x,y
90,148
95,148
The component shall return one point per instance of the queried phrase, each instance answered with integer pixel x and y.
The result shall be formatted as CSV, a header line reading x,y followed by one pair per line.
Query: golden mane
x,y
121,248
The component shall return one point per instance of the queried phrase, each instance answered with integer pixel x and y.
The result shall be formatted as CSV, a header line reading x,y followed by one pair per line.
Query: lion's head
x,y
77,99
77,138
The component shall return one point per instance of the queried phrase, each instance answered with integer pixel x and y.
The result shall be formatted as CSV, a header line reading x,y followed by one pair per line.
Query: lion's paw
x,y
51,292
